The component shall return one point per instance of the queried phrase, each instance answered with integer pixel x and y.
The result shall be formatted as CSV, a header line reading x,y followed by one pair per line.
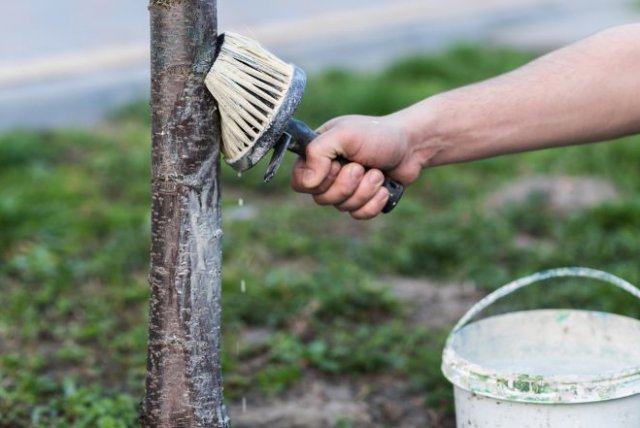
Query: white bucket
x,y
554,368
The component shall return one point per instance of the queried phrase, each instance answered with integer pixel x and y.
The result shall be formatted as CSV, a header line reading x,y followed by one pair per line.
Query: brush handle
x,y
302,135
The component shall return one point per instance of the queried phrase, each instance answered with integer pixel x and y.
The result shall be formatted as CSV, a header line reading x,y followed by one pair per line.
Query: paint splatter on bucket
x,y
553,368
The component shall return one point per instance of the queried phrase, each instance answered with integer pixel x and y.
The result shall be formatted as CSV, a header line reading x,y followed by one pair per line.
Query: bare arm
x,y
586,92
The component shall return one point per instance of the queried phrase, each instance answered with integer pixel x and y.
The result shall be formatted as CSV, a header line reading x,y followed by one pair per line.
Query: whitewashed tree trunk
x,y
184,382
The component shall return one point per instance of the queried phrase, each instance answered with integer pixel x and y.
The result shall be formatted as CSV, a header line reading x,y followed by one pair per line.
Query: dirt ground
x,y
373,401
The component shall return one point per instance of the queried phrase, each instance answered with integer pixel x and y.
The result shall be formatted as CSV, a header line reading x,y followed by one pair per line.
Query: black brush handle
x,y
302,135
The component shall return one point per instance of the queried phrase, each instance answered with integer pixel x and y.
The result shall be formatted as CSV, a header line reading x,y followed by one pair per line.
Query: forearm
x,y
586,92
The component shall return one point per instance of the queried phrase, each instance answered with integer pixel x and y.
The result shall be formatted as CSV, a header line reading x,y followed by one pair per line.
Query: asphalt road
x,y
68,62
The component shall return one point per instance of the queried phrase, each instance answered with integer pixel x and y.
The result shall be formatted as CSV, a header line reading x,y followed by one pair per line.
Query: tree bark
x,y
184,383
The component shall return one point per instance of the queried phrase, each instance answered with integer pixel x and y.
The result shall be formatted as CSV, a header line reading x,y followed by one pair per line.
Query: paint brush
x,y
257,95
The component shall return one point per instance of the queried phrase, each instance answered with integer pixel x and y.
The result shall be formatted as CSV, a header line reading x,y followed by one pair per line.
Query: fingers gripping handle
x,y
302,135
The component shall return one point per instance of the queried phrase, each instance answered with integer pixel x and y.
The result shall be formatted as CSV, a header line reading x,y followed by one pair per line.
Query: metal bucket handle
x,y
538,277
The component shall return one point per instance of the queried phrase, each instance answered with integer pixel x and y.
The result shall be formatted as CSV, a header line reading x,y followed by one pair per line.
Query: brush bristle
x,y
249,84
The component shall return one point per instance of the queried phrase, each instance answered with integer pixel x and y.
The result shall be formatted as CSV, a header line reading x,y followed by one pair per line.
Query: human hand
x,y
373,145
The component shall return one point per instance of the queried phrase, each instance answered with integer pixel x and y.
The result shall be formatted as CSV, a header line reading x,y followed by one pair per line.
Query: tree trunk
x,y
184,383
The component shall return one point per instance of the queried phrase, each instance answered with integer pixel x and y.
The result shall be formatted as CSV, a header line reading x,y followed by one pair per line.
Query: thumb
x,y
319,154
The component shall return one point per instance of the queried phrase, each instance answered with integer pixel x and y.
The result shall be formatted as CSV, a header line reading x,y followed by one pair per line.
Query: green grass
x,y
74,233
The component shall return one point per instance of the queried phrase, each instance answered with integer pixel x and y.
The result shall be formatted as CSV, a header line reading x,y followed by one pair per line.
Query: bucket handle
x,y
538,277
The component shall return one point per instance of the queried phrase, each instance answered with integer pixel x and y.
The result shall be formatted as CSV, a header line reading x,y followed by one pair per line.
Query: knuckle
x,y
363,214
376,178
329,179
313,151
355,202
335,170
344,186
364,194
373,207
296,184
381,198
321,199
296,179
344,191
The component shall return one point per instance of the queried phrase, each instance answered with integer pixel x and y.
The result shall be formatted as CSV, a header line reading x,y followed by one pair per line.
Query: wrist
x,y
423,129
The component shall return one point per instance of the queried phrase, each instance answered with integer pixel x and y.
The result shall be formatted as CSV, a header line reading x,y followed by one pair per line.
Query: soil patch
x,y
434,304
384,400
562,194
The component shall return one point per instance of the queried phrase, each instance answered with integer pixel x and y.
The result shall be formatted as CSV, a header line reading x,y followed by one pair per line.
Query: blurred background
x,y
328,322
69,62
